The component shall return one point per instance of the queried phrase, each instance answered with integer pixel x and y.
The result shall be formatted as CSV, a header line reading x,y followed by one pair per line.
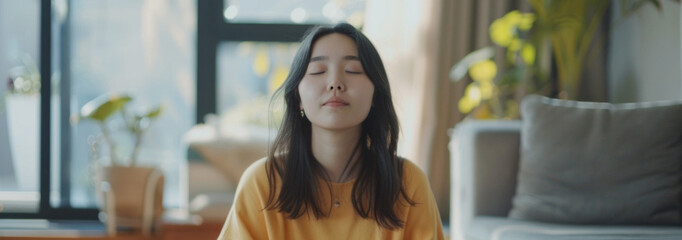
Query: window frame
x,y
45,210
212,29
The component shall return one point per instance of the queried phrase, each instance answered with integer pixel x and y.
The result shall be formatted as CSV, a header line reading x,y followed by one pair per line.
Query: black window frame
x,y
212,29
45,210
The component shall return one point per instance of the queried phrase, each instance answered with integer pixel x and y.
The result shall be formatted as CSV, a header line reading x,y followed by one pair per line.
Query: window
x,y
293,11
93,48
83,49
249,72
19,106
253,44
138,47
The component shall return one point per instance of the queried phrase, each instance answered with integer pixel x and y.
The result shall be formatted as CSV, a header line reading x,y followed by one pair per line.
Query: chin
x,y
338,125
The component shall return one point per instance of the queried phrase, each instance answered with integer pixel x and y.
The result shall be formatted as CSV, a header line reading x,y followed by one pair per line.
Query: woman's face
x,y
335,92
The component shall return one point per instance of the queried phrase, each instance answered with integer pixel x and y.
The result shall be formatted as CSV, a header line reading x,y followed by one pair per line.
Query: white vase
x,y
23,113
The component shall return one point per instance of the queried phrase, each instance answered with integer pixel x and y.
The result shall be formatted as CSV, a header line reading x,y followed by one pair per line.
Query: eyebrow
x,y
322,58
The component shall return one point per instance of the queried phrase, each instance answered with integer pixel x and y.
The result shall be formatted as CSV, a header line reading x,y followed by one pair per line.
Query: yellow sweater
x,y
247,220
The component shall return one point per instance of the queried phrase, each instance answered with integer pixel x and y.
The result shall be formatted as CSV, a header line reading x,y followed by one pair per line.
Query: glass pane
x,y
248,74
143,48
19,106
294,11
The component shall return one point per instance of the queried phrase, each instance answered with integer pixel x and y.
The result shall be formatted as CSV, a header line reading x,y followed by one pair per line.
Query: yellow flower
x,y
513,17
501,32
465,105
278,77
473,93
471,98
486,89
483,112
515,44
526,21
483,71
261,64
528,54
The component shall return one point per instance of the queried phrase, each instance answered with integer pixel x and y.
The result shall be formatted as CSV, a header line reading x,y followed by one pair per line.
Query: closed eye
x,y
353,72
316,73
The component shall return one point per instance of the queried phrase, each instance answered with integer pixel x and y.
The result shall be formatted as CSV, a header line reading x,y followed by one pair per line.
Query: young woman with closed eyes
x,y
333,170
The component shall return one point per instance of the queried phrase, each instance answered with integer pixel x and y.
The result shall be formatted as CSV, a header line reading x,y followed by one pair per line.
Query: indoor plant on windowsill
x,y
19,121
132,194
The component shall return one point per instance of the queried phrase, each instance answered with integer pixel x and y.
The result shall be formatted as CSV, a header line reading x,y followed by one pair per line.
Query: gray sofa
x,y
485,159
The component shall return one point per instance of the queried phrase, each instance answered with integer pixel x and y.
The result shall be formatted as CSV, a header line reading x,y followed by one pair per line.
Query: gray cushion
x,y
500,228
599,163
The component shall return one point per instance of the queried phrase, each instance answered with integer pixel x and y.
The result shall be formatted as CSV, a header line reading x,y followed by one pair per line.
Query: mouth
x,y
335,102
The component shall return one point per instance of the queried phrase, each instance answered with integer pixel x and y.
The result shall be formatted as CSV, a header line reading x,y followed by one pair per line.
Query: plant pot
x,y
133,197
23,113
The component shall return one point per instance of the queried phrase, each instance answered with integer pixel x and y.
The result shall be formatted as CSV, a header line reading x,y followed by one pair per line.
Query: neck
x,y
333,149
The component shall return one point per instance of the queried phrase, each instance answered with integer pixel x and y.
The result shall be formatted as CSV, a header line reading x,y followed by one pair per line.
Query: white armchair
x,y
484,164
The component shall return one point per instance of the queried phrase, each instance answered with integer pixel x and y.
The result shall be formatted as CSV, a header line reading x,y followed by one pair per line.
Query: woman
x,y
333,171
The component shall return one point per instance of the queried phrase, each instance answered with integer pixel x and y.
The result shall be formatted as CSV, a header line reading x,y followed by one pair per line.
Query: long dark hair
x,y
378,187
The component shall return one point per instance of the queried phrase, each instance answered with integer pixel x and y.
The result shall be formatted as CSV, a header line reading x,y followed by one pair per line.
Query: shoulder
x,y
411,170
255,175
256,168
414,177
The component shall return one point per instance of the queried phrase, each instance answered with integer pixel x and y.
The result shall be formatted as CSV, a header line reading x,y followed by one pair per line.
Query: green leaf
x,y
100,108
658,5
154,112
512,77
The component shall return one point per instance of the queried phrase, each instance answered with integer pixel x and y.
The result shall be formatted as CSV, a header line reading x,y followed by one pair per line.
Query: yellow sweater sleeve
x,y
423,220
245,219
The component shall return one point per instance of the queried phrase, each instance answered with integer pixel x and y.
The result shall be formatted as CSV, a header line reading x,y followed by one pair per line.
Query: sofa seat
x,y
503,228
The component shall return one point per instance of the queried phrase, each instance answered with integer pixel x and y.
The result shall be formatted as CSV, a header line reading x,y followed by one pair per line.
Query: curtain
x,y
419,41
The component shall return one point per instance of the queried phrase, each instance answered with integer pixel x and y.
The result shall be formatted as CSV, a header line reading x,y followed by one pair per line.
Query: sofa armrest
x,y
484,165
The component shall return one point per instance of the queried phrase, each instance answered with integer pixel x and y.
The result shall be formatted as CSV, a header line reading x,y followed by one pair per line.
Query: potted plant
x,y
558,31
132,194
496,91
19,122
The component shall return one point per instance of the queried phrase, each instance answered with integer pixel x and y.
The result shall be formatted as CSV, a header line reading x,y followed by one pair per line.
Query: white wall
x,y
644,55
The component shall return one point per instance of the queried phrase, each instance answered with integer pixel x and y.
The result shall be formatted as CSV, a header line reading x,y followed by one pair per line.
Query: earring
x,y
302,113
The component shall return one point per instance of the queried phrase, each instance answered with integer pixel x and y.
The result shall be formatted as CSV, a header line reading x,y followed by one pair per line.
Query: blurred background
x,y
213,65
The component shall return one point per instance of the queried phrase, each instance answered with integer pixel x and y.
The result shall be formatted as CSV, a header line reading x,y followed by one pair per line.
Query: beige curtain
x,y
419,42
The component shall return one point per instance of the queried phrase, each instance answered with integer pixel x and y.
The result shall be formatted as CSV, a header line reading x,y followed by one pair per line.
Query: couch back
x,y
484,161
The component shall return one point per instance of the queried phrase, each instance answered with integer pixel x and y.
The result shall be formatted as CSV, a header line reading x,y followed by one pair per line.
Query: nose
x,y
336,82
331,87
